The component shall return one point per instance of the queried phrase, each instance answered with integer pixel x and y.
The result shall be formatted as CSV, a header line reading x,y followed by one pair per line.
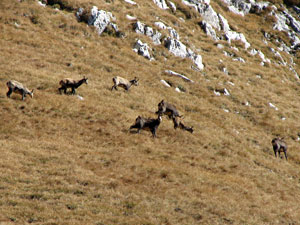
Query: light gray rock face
x,y
209,30
180,50
141,28
224,24
209,15
142,49
101,20
213,21
176,47
286,22
238,6
173,33
161,4
172,6
235,36
242,7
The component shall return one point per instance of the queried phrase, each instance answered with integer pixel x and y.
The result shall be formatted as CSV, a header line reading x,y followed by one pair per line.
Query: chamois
x,y
124,83
168,109
279,145
150,124
70,83
17,87
182,126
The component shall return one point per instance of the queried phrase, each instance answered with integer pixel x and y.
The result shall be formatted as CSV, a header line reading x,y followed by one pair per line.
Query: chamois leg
x,y
285,155
73,91
153,131
9,92
175,123
60,89
23,96
114,87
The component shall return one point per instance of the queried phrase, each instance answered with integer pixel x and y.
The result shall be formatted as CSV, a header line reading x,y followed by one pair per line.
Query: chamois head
x,y
161,107
85,80
135,81
31,93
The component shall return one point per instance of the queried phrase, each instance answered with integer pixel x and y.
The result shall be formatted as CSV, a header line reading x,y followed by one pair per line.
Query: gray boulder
x,y
141,28
180,50
101,19
161,4
142,49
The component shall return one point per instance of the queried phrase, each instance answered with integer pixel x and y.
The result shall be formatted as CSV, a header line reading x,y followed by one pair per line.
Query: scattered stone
x,y
273,106
161,4
165,83
130,17
130,2
170,72
220,91
172,6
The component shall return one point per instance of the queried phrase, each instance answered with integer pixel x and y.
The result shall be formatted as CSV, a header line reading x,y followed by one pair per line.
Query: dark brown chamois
x,y
17,87
182,126
124,83
167,109
150,124
279,146
70,83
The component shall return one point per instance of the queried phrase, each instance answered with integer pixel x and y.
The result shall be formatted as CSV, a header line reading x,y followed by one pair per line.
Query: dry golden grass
x,y
66,161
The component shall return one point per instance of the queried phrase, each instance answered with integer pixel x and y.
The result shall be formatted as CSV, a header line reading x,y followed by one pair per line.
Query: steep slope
x,y
71,160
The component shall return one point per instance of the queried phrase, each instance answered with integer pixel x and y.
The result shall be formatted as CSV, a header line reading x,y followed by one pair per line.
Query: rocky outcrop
x,y
244,7
173,33
100,19
213,21
142,49
141,28
179,49
286,22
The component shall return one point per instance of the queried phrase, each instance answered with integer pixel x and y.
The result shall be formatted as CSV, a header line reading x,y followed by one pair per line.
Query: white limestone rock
x,y
130,2
172,6
179,49
142,49
209,30
141,28
173,33
101,19
165,83
170,72
161,4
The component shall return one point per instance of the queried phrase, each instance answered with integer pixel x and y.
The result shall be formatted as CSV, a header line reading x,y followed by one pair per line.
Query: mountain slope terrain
x,y
231,68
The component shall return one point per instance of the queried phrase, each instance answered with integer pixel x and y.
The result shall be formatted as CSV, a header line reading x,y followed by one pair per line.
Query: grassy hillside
x,y
69,161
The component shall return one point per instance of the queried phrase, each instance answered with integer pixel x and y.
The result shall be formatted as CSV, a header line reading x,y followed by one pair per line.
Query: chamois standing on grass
x,y
279,145
167,109
150,124
70,83
17,87
124,83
